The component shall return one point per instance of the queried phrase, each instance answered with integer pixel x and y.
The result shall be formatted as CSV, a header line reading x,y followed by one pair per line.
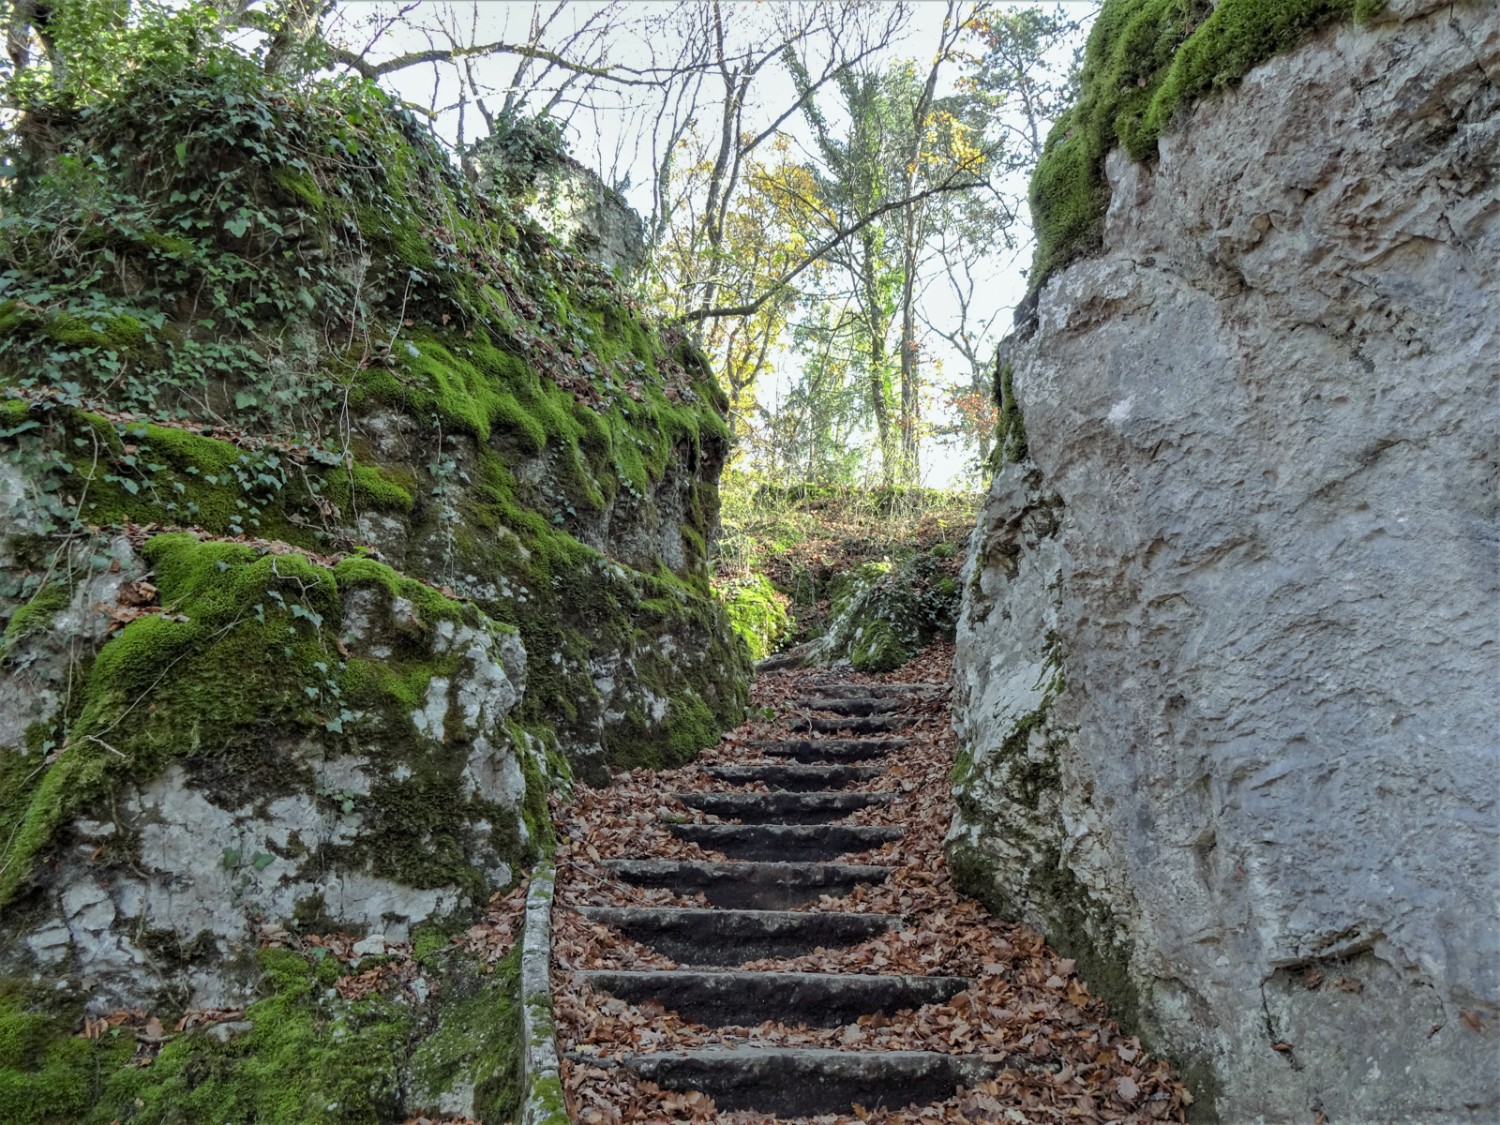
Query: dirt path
x,y
771,934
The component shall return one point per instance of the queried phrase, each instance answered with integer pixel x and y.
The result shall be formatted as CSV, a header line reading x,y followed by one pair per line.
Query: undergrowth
x,y
807,541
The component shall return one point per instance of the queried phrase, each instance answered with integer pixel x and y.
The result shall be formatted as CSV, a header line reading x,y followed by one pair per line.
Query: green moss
x,y
300,186
1239,35
48,1075
309,1059
1203,1082
113,331
368,486
477,1040
144,473
690,726
757,611
534,811
885,613
882,645
976,875
397,234
1144,62
34,616
1010,427
546,1096
431,605
227,661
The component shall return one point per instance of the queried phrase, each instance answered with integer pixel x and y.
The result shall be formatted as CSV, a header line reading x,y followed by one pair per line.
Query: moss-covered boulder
x,y
758,612
1145,62
342,518
884,613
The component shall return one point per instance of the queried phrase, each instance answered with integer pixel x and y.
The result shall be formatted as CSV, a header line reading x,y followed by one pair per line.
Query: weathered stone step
x,y
789,842
747,999
805,1081
798,778
843,689
829,749
856,724
781,808
750,885
732,937
851,705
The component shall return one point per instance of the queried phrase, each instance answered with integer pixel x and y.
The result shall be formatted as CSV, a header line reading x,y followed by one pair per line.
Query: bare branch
x,y
820,253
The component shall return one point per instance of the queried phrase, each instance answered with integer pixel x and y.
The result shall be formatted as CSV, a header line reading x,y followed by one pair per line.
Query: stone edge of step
x,y
973,1066
541,1077
730,832
728,867
608,914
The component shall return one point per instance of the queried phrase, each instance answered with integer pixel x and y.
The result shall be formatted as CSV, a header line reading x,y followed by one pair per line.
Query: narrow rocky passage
x,y
771,934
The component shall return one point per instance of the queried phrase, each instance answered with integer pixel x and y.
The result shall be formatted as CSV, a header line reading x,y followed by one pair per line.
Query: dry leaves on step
x,y
1062,1058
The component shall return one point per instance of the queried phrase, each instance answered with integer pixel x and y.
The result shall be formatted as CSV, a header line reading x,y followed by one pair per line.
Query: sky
x,y
602,137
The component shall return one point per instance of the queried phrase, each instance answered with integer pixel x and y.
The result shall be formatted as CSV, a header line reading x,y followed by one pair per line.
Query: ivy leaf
x,y
237,226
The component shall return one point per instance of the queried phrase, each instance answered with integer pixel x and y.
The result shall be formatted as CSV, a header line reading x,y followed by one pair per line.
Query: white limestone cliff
x,y
1227,667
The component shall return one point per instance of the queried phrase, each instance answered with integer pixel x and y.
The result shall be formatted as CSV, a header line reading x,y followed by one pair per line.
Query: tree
x,y
903,146
1018,77
763,235
737,222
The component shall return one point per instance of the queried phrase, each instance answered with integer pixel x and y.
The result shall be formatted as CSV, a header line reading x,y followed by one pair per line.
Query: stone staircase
x,y
784,849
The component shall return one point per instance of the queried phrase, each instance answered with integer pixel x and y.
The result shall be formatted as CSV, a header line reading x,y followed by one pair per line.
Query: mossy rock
x,y
757,610
401,405
1145,62
884,613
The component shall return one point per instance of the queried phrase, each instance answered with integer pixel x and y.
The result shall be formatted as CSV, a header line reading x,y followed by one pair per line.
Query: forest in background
x,y
831,191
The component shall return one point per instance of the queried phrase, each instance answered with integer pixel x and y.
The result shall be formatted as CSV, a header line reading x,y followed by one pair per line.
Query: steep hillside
x,y
1226,662
342,517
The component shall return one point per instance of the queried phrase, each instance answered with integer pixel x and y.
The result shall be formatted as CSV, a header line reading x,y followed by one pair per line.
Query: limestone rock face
x,y
316,671
1227,664
568,199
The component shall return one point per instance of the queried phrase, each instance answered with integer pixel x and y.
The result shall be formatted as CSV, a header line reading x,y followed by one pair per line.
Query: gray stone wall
x,y
1227,665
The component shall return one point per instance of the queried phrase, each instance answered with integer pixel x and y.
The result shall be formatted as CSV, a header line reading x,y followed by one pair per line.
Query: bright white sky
x,y
605,139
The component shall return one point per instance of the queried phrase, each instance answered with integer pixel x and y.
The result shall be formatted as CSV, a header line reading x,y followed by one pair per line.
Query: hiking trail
x,y
771,933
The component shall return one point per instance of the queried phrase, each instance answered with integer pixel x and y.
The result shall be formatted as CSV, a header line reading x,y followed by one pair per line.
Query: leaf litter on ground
x,y
1064,1058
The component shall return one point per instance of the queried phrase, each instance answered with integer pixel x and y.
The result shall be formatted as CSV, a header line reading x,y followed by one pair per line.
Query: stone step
x,y
739,999
829,749
799,778
789,842
781,808
806,1081
851,705
749,885
855,724
732,937
843,689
